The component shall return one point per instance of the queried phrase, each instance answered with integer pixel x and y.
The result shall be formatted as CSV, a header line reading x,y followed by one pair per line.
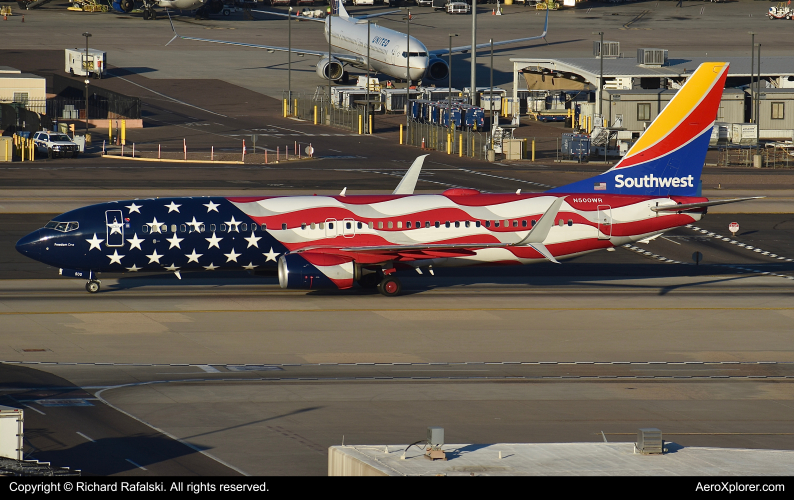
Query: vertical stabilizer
x,y
341,9
668,157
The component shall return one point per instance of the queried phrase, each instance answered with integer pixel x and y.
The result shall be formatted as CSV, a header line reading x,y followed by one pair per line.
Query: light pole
x,y
600,74
289,62
328,67
490,99
758,99
752,75
87,35
449,103
366,125
408,75
473,50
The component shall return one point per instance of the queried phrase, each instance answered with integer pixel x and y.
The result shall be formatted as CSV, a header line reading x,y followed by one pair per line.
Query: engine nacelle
x,y
315,271
334,66
123,5
437,69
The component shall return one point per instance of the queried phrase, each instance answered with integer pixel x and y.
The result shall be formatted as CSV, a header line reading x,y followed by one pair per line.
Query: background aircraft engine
x,y
214,6
336,68
314,271
437,69
123,5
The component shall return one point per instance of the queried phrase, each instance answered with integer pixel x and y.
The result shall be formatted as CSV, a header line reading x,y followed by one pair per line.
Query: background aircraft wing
x,y
346,58
370,16
299,18
467,48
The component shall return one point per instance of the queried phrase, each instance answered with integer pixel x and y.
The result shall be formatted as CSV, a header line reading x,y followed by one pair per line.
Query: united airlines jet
x,y
389,51
315,242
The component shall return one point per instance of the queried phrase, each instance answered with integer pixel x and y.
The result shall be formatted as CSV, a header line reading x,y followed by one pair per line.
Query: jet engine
x,y
123,5
437,69
334,66
315,271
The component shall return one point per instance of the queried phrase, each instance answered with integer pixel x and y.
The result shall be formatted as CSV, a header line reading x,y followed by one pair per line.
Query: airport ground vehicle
x,y
315,242
780,11
458,8
76,62
55,144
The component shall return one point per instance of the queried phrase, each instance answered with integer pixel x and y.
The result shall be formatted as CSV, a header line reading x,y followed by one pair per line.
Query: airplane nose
x,y
30,245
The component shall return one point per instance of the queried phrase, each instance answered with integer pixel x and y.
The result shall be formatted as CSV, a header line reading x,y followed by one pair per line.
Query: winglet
x,y
539,233
172,28
408,182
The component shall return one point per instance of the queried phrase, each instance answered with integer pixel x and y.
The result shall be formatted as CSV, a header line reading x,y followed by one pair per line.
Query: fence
x,y
99,107
773,155
15,117
459,142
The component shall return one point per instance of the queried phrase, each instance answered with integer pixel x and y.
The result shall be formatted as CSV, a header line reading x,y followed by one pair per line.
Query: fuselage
x,y
210,233
388,50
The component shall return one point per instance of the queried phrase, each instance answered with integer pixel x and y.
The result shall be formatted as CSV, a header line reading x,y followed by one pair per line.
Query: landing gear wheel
x,y
153,16
92,287
145,15
390,286
226,12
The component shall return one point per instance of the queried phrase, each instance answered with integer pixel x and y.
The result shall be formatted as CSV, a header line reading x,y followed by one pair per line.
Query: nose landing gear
x,y
92,286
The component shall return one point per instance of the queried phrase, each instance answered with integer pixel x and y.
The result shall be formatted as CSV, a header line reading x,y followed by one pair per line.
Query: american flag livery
x,y
335,241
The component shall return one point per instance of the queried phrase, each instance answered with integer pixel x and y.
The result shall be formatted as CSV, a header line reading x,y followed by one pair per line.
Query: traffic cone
x,y
493,12
423,143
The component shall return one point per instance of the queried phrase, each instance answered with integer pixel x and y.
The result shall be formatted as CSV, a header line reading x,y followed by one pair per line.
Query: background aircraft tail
x,y
668,157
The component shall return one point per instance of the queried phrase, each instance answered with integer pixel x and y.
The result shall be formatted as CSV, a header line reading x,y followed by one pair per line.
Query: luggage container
x,y
575,146
394,99
11,432
744,133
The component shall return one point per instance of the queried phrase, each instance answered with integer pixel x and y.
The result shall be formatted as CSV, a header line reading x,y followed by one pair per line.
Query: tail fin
x,y
668,158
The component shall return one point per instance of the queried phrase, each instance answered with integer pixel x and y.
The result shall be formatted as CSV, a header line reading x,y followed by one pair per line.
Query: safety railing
x,y
451,141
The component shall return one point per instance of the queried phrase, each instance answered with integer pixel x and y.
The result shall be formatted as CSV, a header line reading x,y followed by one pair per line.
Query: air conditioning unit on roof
x,y
652,57
611,49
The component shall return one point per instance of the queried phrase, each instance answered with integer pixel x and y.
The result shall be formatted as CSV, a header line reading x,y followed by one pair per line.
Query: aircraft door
x,y
604,222
114,222
348,228
331,228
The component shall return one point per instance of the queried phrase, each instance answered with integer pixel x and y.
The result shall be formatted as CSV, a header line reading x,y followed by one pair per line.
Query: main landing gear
x,y
92,286
390,286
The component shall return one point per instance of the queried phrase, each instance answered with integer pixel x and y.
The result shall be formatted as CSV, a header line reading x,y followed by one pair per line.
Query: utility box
x,y
6,148
78,64
649,441
514,149
435,437
11,432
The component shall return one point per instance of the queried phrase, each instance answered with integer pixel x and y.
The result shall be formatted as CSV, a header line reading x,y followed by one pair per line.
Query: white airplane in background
x,y
127,6
389,49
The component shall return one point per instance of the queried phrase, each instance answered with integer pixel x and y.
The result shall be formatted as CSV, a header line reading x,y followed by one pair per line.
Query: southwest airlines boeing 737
x,y
315,242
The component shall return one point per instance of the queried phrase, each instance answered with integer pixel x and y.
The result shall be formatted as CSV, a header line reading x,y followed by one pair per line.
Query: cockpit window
x,y
63,227
415,54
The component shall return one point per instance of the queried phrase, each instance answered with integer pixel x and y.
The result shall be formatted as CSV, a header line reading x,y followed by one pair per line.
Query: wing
x,y
383,253
467,48
300,18
345,58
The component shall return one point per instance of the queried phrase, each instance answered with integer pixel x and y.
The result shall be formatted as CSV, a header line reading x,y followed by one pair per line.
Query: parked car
x,y
55,144
458,8
424,3
363,2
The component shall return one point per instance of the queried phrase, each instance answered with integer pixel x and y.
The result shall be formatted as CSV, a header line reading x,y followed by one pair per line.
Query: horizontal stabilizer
x,y
691,206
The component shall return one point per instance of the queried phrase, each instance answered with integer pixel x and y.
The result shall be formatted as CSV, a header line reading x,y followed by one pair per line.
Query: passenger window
x,y
496,223
371,225
437,224
359,225
408,225
264,227
283,226
418,224
173,228
145,228
380,225
561,222
524,223
348,225
244,226
515,223
312,226
477,223
570,222
303,225
534,222
212,227
487,223
222,227
399,224
202,228
446,224
163,228
390,224
468,223
322,225
457,223
182,228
